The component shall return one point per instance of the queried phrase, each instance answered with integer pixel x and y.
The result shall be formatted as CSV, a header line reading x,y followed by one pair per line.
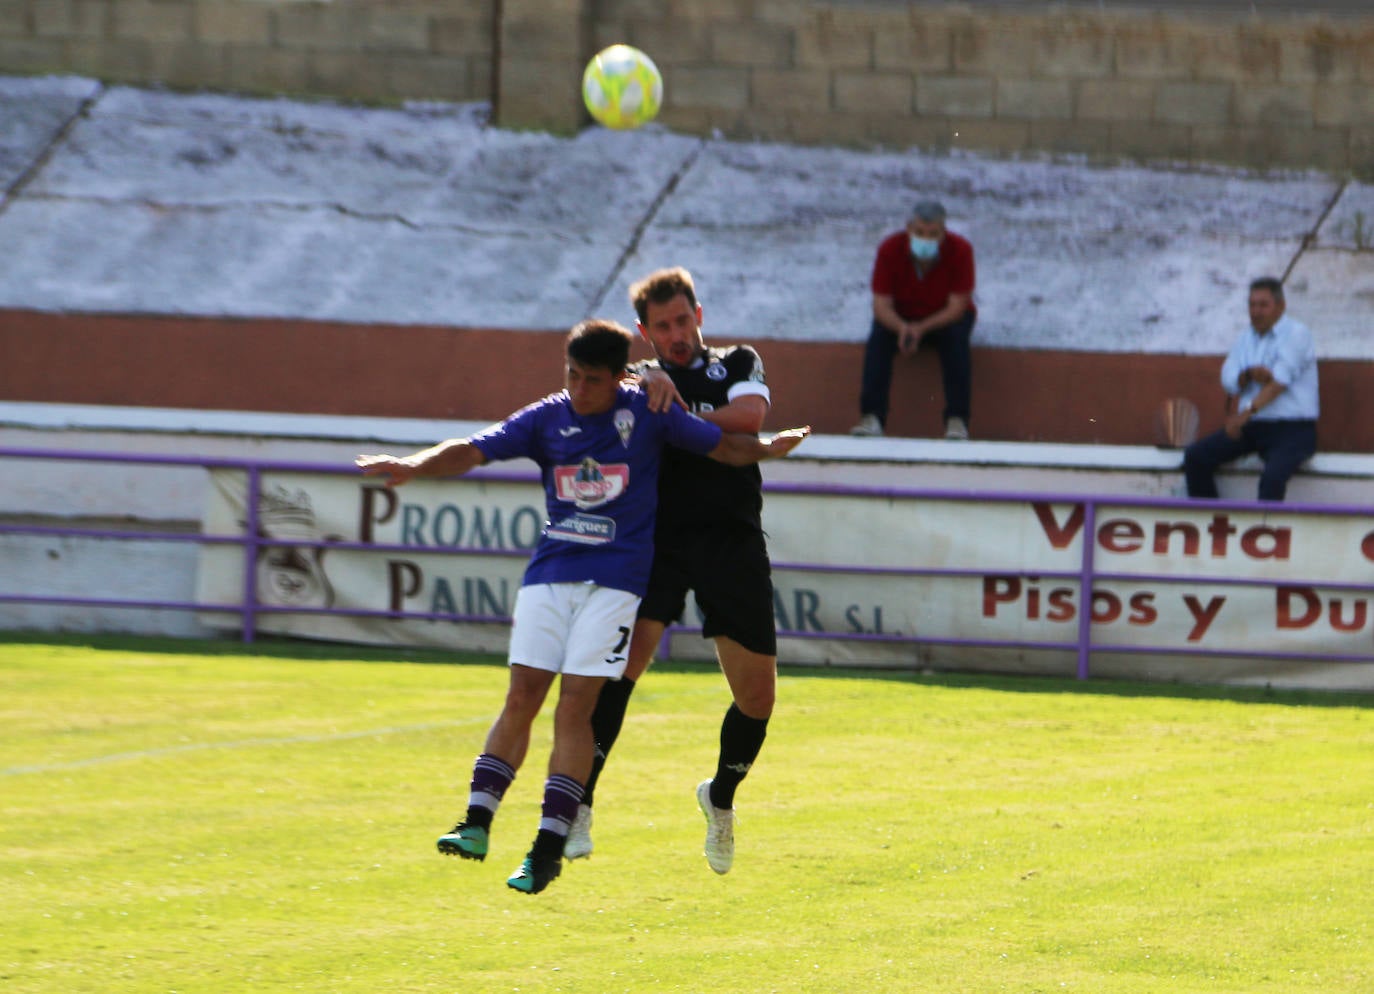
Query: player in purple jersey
x,y
598,446
709,540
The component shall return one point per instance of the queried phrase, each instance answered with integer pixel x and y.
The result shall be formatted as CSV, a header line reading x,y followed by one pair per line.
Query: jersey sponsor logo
x,y
702,407
716,371
584,529
569,431
591,484
625,425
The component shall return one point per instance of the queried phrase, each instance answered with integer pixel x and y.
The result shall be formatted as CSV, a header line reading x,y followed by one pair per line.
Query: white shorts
x,y
577,628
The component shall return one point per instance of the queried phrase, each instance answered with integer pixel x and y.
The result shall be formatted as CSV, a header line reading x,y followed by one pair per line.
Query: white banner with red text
x,y
849,576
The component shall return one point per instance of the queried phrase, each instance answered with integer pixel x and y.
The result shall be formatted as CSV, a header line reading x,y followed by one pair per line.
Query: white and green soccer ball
x,y
622,87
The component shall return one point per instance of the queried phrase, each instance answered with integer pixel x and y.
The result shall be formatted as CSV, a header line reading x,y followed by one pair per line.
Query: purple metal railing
x,y
250,607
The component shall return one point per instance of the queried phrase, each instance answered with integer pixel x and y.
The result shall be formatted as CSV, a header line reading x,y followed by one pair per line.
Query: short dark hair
x,y
929,211
1271,283
661,286
601,344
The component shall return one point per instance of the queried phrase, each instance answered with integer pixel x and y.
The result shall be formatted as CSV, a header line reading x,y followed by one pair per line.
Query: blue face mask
x,y
925,249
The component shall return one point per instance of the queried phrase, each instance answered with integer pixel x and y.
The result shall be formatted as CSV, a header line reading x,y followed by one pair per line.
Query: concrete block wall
x,y
1276,92
376,51
1269,92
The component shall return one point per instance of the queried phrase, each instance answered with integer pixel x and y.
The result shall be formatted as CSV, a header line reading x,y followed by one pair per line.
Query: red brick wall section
x,y
305,367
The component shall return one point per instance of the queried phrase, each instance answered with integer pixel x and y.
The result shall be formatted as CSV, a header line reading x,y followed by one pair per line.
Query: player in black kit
x,y
709,540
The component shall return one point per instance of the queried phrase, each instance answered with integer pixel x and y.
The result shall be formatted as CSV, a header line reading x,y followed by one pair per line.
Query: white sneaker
x,y
579,844
720,831
956,430
869,426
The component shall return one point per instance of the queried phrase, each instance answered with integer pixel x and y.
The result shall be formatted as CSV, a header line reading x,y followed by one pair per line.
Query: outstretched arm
x,y
743,450
452,458
745,413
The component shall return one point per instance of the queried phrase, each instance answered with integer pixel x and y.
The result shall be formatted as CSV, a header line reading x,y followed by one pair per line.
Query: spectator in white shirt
x,y
1271,375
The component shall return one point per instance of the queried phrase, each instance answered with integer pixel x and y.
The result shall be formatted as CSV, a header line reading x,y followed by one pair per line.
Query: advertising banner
x,y
859,577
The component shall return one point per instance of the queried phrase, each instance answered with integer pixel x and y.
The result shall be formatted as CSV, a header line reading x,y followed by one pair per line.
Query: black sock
x,y
479,817
606,721
741,738
547,845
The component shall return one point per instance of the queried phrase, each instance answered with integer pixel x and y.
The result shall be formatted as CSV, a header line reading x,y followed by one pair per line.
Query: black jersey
x,y
695,490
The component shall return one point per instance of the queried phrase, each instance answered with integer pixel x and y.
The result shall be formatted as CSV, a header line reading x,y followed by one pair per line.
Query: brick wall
x,y
1289,91
365,50
1283,91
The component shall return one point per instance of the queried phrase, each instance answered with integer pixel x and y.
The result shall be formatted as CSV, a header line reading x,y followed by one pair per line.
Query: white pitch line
x,y
119,757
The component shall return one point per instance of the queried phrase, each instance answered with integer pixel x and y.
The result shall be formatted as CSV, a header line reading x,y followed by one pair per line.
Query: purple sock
x,y
562,795
490,778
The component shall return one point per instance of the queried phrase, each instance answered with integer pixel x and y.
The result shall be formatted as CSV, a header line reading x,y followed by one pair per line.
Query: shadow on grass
x,y
1028,684
264,647
272,647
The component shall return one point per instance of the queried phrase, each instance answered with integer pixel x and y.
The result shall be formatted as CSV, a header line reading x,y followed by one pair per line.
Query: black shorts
x,y
728,571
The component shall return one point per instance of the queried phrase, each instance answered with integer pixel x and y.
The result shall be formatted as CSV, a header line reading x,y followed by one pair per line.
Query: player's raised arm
x,y
452,458
741,450
658,387
745,414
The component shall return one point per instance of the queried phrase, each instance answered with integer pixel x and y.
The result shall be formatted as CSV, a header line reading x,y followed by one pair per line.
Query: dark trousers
x,y
1283,445
956,367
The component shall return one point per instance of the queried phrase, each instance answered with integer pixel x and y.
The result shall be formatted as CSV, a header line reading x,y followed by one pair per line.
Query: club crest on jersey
x,y
716,371
625,425
591,484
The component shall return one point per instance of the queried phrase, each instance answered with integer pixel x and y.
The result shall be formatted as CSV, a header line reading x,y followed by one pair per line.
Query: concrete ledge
x,y
818,448
266,424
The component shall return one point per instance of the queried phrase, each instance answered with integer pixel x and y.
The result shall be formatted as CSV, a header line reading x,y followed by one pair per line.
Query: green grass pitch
x,y
197,818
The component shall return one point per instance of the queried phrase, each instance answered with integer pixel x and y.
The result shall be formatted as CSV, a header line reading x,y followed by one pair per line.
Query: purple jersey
x,y
600,477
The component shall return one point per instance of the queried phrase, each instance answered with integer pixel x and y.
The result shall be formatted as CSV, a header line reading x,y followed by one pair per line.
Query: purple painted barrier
x,y
250,608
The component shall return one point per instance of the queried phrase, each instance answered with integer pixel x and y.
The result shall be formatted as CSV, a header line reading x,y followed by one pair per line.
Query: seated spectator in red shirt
x,y
922,292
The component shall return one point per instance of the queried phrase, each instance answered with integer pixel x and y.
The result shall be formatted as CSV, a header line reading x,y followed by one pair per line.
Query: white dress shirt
x,y
1288,352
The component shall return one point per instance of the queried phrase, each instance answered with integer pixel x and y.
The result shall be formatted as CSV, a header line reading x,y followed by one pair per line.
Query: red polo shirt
x,y
916,297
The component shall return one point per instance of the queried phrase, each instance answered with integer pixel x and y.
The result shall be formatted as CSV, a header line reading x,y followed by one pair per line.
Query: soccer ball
x,y
622,87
